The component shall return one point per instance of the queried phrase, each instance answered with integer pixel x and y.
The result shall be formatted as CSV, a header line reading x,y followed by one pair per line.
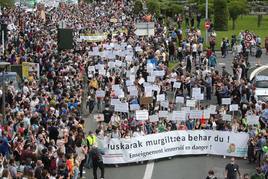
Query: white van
x,y
261,88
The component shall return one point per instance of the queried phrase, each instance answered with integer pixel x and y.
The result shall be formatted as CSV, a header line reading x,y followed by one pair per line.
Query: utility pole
x,y
206,20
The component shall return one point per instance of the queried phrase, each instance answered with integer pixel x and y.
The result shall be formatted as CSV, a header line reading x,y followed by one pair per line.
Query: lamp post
x,y
206,20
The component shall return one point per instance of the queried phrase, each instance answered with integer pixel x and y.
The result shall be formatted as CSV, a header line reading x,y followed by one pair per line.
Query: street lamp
x,y
206,20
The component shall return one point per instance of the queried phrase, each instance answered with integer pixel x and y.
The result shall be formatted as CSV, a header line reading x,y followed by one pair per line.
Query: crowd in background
x,y
43,132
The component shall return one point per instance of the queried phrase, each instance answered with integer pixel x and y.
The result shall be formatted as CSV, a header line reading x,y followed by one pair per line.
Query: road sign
x,y
207,25
248,37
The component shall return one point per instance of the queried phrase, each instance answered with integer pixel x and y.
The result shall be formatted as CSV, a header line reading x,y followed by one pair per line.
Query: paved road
x,y
181,167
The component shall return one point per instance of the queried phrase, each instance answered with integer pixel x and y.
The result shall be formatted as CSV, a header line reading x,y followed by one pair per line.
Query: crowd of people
x,y
43,132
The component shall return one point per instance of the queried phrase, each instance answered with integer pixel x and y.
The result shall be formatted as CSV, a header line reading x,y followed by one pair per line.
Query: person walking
x,y
97,161
232,170
223,48
258,55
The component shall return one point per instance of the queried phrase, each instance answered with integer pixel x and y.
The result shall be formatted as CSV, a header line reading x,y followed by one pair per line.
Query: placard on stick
x,y
146,100
142,115
226,101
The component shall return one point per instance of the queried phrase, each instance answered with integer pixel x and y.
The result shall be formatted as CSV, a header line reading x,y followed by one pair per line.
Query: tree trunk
x,y
259,20
233,24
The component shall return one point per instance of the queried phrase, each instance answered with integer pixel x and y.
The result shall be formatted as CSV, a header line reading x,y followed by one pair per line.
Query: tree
x,y
237,8
153,7
137,7
221,15
6,3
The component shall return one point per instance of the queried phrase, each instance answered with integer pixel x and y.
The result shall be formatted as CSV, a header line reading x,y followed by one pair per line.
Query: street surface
x,y
180,167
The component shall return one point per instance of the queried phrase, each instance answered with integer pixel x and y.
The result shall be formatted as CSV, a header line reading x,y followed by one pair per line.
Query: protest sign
x,y
141,80
153,118
213,109
186,109
196,91
142,115
167,144
180,99
134,107
196,114
118,63
91,68
164,104
190,103
98,117
199,96
226,101
132,77
159,73
177,85
178,116
133,91
163,113
206,113
129,83
151,79
161,97
233,107
115,101
227,117
100,94
252,119
146,100
121,107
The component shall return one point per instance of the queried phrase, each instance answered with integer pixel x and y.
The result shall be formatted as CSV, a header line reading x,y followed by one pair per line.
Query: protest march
x,y
118,75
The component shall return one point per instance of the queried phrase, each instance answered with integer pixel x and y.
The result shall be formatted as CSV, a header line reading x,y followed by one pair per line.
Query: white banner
x,y
173,143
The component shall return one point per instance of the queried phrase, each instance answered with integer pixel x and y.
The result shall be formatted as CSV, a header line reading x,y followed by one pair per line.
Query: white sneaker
x,y
84,172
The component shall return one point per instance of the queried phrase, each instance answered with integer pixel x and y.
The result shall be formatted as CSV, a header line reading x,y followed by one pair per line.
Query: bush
x,y
153,7
221,15
137,7
6,3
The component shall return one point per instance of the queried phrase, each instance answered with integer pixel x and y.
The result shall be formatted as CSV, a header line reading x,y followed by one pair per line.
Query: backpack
x,y
53,164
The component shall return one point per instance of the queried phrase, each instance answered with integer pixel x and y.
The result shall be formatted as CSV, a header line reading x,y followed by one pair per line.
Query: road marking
x,y
149,170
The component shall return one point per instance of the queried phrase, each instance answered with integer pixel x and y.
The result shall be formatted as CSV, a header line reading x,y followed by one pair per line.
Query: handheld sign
x,y
233,107
226,101
142,115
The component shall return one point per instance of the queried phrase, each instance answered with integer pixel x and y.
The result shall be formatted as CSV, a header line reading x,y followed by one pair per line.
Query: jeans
x,y
81,166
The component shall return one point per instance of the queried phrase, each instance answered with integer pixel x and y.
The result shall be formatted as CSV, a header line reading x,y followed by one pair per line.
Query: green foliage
x,y
202,9
6,3
137,7
166,7
153,7
237,8
221,15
